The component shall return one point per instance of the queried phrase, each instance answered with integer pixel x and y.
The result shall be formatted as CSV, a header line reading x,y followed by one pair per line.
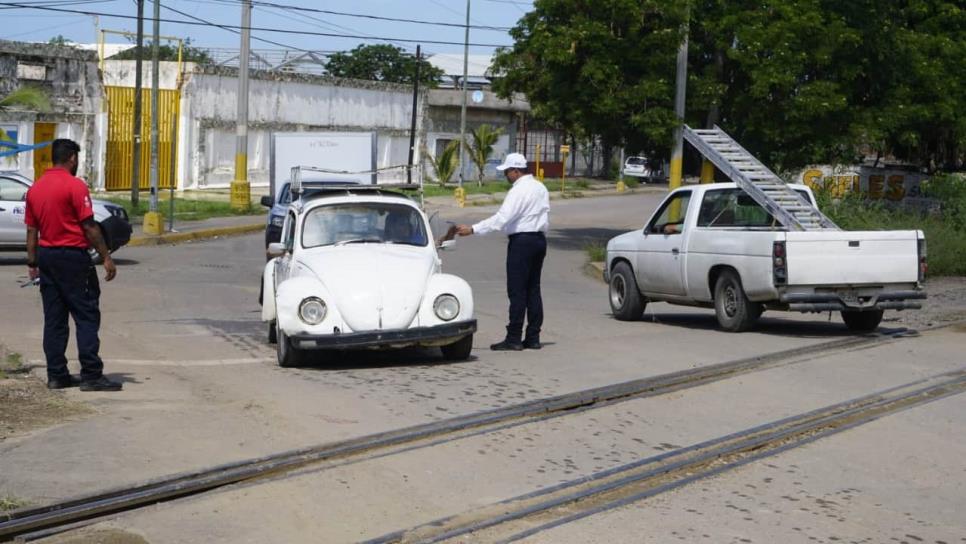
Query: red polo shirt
x,y
56,205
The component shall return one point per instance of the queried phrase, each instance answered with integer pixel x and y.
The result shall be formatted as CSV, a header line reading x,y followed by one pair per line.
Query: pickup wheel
x,y
625,298
288,355
458,350
734,311
862,321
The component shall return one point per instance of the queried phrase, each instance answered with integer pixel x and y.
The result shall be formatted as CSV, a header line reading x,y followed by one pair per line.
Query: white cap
x,y
513,160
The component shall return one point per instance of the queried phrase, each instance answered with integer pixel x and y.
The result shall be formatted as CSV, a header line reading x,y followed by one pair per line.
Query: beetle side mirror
x,y
447,245
267,201
276,249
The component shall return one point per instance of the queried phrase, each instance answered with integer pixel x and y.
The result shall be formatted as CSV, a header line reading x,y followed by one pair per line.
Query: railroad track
x,y
33,523
514,519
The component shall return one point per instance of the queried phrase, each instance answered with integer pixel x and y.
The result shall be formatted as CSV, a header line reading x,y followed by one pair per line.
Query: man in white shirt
x,y
525,218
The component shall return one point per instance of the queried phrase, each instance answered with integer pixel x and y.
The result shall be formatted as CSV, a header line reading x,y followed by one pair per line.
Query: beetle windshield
x,y
363,223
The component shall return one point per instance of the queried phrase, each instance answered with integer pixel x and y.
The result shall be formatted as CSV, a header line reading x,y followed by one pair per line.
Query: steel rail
x,y
622,485
72,511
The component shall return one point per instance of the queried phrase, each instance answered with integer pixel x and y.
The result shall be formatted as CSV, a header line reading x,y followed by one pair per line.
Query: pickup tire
x,y
862,321
458,350
288,355
734,311
625,298
272,332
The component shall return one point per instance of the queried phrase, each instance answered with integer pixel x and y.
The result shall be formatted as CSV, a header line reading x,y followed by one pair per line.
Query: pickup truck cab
x,y
713,246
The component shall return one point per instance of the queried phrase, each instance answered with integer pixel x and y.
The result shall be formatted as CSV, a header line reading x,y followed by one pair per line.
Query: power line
x,y
234,31
260,29
378,17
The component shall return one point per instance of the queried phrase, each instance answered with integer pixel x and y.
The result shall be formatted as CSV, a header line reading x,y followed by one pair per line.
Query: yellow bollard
x,y
460,194
540,174
563,171
621,186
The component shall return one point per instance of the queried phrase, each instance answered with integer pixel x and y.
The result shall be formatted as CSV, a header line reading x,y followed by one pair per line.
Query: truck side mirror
x,y
267,201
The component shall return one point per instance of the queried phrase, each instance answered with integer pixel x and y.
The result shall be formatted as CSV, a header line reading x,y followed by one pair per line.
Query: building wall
x,y
71,80
287,102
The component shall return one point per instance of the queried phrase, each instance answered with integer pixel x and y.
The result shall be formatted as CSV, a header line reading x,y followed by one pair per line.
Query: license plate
x,y
849,296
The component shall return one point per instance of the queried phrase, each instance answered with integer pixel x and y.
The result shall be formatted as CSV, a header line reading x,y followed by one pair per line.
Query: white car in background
x,y
640,167
112,219
356,267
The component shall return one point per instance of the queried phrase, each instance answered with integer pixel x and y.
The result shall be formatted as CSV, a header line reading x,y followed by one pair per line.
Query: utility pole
x,y
138,64
240,188
412,127
677,155
466,52
152,220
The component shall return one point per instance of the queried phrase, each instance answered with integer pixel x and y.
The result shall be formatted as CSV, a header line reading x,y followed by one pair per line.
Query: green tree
x,y
168,52
382,63
480,147
59,40
444,164
796,81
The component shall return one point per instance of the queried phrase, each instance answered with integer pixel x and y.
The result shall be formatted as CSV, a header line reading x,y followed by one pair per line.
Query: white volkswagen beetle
x,y
356,267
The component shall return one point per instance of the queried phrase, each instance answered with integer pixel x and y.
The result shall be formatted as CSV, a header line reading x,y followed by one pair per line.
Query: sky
x,y
31,24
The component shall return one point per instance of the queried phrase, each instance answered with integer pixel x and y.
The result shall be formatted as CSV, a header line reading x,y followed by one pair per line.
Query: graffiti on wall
x,y
874,183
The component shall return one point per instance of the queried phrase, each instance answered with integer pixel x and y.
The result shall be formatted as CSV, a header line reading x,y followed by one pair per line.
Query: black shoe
x,y
507,345
532,344
100,384
63,383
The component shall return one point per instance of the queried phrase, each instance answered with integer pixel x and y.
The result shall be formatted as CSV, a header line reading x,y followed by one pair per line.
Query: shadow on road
x,y
371,359
580,238
773,326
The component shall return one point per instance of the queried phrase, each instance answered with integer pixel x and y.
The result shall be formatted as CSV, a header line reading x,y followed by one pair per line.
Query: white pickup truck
x,y
713,246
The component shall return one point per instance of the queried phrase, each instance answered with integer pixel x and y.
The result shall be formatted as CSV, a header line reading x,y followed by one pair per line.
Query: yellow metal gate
x,y
120,137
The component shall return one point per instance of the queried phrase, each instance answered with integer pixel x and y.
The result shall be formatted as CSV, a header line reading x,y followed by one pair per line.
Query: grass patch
x,y
945,233
12,363
184,208
12,503
471,187
631,182
596,251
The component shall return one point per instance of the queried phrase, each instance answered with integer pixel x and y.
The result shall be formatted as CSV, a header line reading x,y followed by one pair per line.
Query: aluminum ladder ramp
x,y
791,209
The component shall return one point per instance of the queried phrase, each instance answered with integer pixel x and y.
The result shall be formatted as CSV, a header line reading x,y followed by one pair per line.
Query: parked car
x,y
356,267
277,208
111,218
713,246
641,167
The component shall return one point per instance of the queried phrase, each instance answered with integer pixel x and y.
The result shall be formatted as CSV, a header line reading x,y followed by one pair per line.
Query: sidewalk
x,y
196,230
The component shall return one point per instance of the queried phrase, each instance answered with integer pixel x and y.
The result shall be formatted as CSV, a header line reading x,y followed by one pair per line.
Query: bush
x,y
945,234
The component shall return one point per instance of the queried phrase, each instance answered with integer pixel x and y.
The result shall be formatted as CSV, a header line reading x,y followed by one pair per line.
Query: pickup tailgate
x,y
852,258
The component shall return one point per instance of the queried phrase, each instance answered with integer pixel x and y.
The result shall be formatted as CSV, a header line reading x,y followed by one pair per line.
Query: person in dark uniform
x,y
525,217
60,228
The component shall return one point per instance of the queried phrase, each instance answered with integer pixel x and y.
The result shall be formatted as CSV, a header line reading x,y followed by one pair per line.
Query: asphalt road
x,y
181,327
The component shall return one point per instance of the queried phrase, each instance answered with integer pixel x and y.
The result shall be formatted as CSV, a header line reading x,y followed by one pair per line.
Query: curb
x,y
595,270
200,234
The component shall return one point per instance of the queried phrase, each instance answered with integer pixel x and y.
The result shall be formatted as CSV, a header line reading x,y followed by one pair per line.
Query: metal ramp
x,y
767,189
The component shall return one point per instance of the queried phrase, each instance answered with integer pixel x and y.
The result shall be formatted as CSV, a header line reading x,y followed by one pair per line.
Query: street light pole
x,y
152,219
240,188
677,155
138,67
466,52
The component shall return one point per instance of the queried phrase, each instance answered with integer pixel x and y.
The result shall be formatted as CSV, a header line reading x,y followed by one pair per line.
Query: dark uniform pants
x,y
69,287
524,263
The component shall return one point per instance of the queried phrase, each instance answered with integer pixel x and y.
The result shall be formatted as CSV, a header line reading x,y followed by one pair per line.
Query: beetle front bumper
x,y
438,335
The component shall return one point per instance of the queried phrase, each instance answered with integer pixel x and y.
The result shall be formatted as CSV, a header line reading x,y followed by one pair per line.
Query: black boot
x,y
507,345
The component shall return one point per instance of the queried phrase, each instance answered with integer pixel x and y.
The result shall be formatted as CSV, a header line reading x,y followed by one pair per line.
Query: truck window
x,y
670,218
734,208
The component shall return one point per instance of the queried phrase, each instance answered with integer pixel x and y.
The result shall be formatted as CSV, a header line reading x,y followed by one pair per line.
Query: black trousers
x,y
69,287
524,264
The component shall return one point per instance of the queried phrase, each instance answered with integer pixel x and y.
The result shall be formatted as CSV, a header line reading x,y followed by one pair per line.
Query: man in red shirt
x,y
60,228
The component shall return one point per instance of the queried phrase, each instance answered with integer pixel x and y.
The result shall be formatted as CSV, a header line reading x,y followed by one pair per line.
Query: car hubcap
x,y
730,302
618,290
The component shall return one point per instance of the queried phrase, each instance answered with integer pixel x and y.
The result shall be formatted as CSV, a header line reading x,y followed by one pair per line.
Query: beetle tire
x,y
288,355
459,350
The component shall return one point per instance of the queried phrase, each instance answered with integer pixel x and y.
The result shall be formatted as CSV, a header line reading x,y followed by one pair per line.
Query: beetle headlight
x,y
447,307
312,310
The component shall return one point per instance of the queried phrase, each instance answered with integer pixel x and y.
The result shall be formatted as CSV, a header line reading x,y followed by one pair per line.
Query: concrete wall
x,y
286,102
71,80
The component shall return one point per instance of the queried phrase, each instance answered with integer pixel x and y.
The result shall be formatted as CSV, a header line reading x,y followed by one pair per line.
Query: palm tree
x,y
444,164
482,147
